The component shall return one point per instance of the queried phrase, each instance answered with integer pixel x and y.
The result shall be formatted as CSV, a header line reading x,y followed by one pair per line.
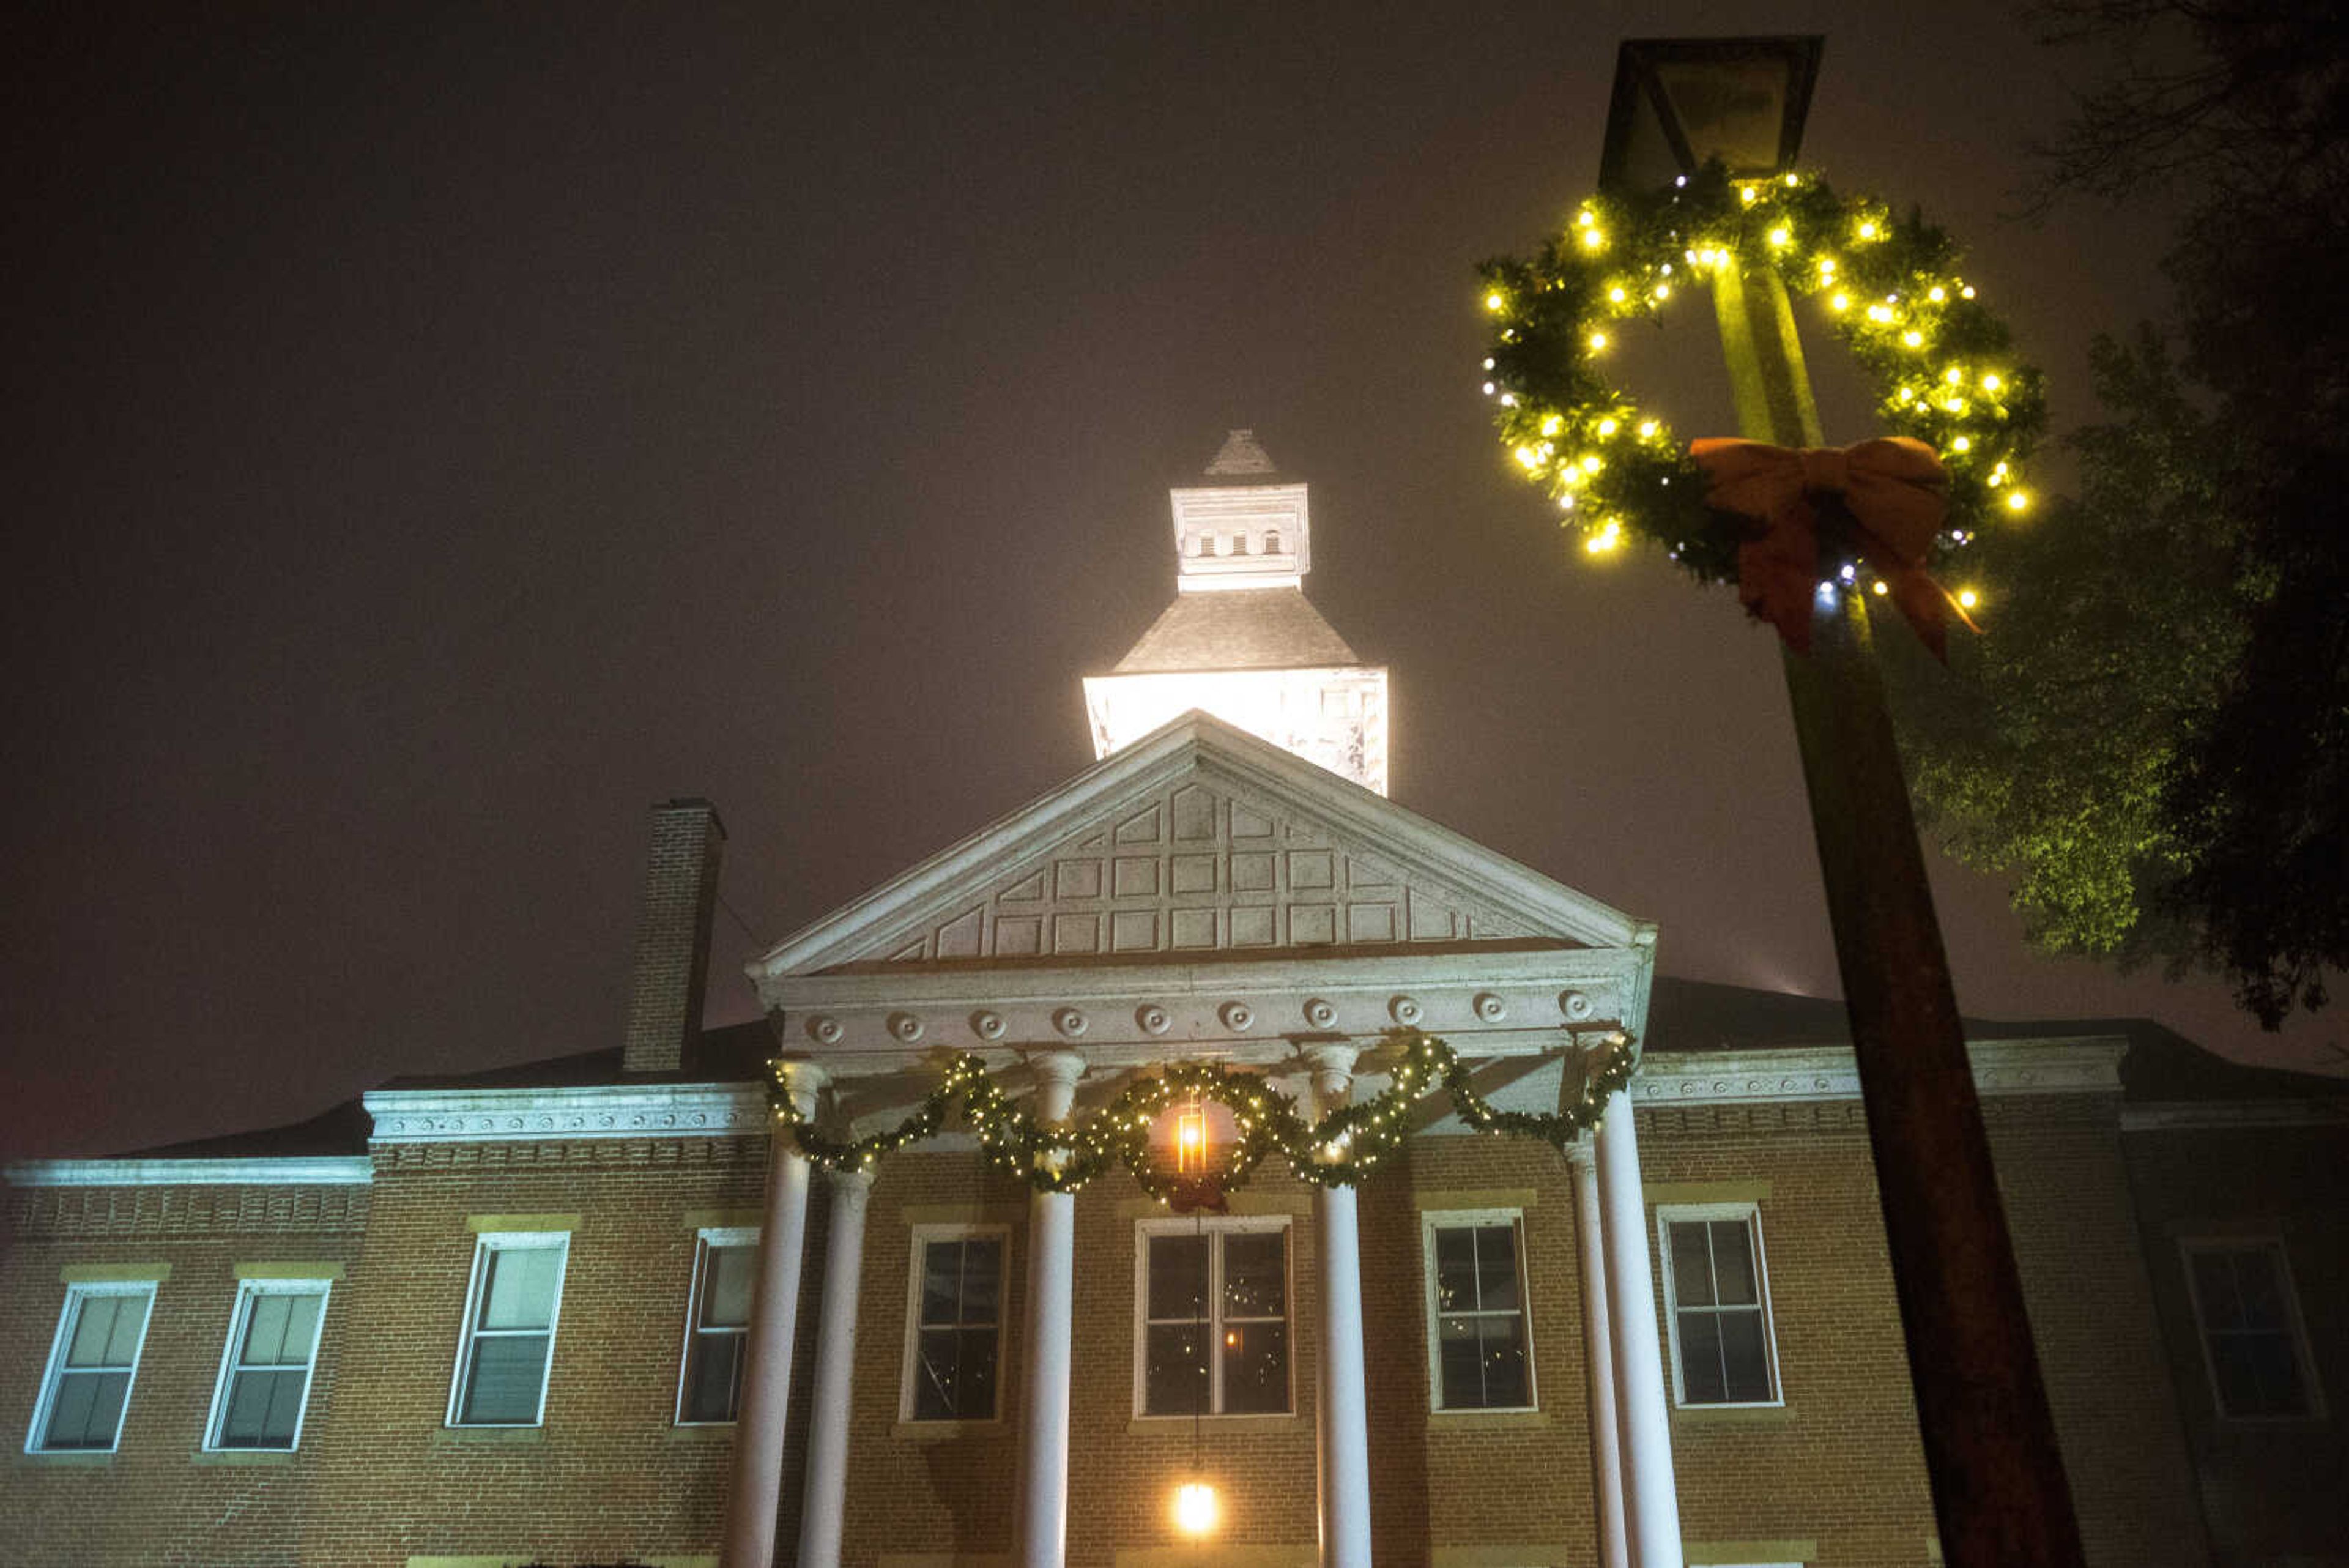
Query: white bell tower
x,y
1241,640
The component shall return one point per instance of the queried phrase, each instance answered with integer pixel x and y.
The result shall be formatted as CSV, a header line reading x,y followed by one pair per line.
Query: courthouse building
x,y
603,1309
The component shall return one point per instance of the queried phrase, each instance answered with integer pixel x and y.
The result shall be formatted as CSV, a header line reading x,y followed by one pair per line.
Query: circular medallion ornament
x,y
987,1025
1575,1004
1069,1022
1491,1008
824,1030
1320,1013
1404,1010
1941,366
1152,1018
905,1027
1238,1016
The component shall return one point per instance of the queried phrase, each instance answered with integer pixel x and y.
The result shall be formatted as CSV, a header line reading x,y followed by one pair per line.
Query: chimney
x,y
673,944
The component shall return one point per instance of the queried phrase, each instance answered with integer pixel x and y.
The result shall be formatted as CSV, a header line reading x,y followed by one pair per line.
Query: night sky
x,y
438,435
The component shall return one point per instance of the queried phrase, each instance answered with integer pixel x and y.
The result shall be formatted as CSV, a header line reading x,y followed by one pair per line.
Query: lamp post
x,y
1991,1453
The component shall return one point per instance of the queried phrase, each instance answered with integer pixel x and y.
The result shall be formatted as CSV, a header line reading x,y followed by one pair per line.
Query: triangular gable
x,y
1200,838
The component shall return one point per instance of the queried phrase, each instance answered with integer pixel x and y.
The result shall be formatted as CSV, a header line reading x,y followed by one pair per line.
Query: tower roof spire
x,y
1243,457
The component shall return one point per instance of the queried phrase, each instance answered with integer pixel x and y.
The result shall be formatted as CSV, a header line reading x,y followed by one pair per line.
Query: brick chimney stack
x,y
673,944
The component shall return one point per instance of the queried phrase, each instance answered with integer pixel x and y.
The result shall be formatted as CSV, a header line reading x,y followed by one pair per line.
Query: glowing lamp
x,y
1679,102
1190,1142
1195,1508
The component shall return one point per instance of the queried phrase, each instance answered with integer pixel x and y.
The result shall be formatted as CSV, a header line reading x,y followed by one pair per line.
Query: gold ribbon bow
x,y
1894,490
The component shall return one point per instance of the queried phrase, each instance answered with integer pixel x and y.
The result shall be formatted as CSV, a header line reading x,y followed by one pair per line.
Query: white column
x,y
767,1379
1342,1416
822,1509
1051,1277
1651,1503
1599,1357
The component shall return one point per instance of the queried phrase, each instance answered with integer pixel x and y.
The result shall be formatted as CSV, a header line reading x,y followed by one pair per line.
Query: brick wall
x,y
665,984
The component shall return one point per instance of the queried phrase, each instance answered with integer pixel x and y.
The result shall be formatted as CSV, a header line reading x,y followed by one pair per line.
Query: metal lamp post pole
x,y
1989,1440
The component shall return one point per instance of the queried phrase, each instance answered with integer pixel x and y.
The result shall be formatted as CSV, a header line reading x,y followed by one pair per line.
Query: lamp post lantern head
x,y
1681,102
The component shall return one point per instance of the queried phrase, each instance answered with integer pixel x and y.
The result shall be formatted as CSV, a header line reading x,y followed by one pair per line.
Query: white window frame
x,y
2271,1244
1750,1213
484,1246
1432,1220
69,1317
704,1239
1236,1224
248,1291
923,1235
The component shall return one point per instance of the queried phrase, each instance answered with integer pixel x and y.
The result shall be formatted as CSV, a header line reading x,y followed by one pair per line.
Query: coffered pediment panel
x,y
1200,840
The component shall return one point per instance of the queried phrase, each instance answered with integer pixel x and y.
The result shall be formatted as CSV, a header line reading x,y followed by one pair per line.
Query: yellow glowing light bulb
x,y
1966,293
1868,231
1616,294
1608,427
1591,463
1968,599
1841,301
1493,301
1878,588
1663,291
1991,383
1648,429
1937,294
1914,339
1748,194
1953,375
1827,266
1592,239
1553,424
1195,1508
2017,500
1584,219
1879,313
1597,341
1527,456
1908,395
1963,443
1793,180
1782,235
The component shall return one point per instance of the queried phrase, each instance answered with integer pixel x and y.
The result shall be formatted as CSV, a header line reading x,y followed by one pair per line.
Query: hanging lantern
x,y
1195,1508
1191,1140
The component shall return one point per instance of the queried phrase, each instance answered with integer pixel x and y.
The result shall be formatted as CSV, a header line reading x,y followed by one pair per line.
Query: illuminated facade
x,y
594,1309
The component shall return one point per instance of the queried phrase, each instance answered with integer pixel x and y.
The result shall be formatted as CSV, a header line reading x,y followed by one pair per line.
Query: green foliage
x,y
2158,739
1339,1151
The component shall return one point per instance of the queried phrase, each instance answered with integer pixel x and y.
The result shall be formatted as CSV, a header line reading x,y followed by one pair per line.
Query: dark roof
x,y
340,1130
1238,629
736,1053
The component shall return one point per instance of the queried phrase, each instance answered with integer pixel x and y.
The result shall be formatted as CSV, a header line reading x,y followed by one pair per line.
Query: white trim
x,y
1667,1214
2271,1242
485,1245
1212,1227
69,1317
922,1236
2080,1065
597,1111
706,1239
329,1170
2228,1113
1430,1221
248,1291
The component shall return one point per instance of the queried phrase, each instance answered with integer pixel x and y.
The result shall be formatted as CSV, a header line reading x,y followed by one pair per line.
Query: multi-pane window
x,y
1717,1294
954,1338
1214,1321
272,1342
90,1368
1479,1347
2251,1337
509,1343
718,1326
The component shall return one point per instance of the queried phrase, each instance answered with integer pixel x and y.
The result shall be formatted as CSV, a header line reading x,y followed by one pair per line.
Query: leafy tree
x,y
2154,732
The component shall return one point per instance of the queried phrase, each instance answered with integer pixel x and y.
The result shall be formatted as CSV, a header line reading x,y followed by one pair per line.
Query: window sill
x,y
462,1436
1735,1415
242,1457
68,1459
1162,1425
701,1432
1484,1420
942,1431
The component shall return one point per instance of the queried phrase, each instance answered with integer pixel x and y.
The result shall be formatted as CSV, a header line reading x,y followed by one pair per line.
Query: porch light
x,y
1195,1508
1191,1141
1679,102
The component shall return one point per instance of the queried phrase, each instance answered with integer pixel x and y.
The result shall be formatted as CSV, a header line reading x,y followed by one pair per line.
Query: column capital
x,y
853,1185
1332,1063
802,1081
1057,1072
1582,1154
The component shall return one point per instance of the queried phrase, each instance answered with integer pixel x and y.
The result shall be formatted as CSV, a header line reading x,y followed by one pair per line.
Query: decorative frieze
x,y
603,1111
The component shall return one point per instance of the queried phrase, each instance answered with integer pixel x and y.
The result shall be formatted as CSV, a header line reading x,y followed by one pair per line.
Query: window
x,y
1220,1284
954,1323
1478,1342
508,1342
264,1381
1717,1295
91,1364
717,1327
2252,1341
1272,542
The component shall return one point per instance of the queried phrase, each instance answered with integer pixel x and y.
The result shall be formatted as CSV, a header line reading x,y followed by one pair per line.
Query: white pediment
x,y
1201,839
